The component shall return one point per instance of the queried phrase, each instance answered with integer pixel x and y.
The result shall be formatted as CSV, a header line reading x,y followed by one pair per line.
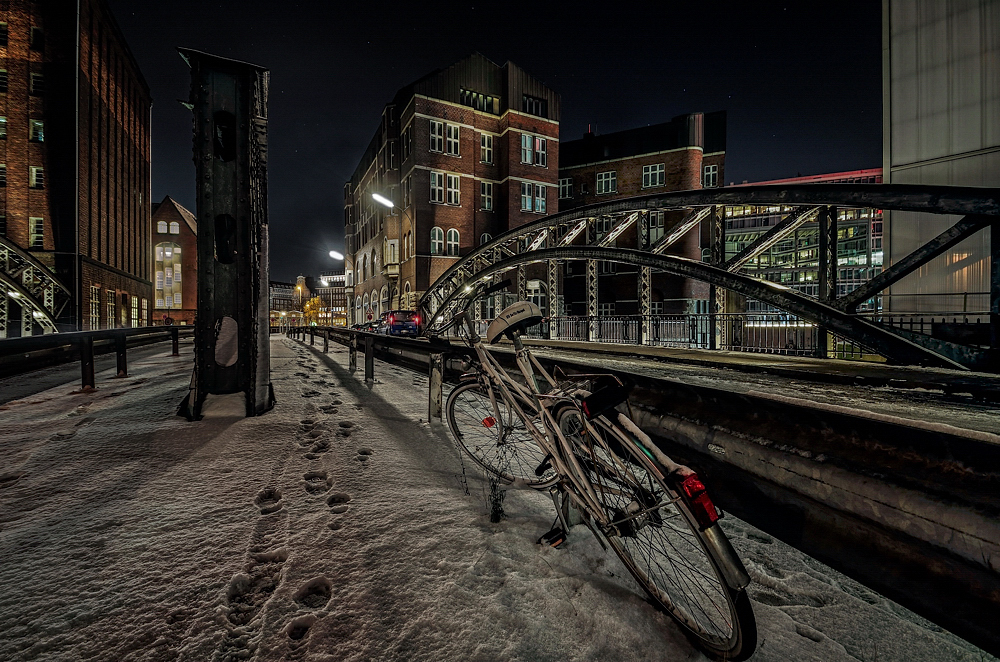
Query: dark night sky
x,y
801,83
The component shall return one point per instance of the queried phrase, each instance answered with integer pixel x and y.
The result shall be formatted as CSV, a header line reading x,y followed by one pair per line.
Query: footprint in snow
x,y
310,394
364,454
6,480
320,447
62,436
315,593
298,627
338,502
311,456
268,500
317,481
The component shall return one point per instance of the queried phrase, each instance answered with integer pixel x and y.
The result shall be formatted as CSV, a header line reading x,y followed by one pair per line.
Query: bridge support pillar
x,y
645,321
716,294
592,330
554,296
827,272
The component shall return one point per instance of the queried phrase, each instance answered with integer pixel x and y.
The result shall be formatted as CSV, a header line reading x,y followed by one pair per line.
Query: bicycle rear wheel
x,y
498,441
659,541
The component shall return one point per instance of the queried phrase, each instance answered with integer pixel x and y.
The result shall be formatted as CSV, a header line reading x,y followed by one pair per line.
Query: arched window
x,y
161,227
366,302
385,299
453,242
437,241
406,295
175,227
374,263
485,238
364,268
168,269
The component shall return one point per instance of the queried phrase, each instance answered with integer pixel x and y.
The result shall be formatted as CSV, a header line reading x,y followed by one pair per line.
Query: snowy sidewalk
x,y
337,527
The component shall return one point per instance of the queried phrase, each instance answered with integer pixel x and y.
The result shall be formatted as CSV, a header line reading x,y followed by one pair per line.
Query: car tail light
x,y
392,320
698,501
416,319
489,422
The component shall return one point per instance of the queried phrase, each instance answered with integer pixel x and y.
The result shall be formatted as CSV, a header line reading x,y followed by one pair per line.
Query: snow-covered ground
x,y
341,526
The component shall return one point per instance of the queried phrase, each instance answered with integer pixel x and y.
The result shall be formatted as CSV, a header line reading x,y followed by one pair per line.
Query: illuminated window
x,y
527,142
36,177
159,280
95,308
541,155
3,174
3,128
161,227
486,195
534,105
486,148
175,228
437,186
437,136
539,199
177,299
652,175
3,80
607,182
437,241
710,176
453,145
37,227
453,243
526,198
36,131
454,190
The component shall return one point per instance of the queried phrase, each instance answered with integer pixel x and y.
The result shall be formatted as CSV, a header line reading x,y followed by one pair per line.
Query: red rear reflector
x,y
698,501
489,421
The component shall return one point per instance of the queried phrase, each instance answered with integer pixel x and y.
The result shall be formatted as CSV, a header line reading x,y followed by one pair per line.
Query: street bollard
x,y
87,362
434,396
369,359
326,340
175,340
120,350
352,355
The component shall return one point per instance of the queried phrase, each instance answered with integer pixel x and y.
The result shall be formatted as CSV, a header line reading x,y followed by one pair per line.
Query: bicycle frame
x,y
558,449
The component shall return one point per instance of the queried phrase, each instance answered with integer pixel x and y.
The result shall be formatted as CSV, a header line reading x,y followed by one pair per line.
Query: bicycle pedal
x,y
553,538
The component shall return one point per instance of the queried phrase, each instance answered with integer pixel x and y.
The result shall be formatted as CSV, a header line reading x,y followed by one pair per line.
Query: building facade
x,y
332,293
175,263
75,169
464,154
794,261
688,152
941,104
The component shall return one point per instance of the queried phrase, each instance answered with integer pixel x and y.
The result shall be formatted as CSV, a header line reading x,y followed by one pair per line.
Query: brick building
x,y
74,137
688,152
464,153
175,263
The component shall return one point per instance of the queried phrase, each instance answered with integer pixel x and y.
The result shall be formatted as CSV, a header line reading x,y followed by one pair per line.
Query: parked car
x,y
399,323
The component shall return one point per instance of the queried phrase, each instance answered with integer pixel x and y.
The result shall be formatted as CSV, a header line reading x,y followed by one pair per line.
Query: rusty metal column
x,y
522,283
369,359
717,295
87,362
435,395
352,354
827,272
554,296
592,300
644,284
121,354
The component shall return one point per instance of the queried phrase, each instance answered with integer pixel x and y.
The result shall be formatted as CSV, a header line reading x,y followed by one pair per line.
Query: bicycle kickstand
x,y
557,535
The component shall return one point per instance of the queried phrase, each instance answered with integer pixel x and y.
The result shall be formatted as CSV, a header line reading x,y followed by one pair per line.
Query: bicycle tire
x,y
503,448
659,541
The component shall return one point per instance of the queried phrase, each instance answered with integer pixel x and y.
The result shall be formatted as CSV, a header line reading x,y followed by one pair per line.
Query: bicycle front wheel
x,y
498,440
659,541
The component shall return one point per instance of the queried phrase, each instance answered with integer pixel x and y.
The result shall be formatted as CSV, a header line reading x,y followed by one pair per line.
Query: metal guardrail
x,y
882,501
21,355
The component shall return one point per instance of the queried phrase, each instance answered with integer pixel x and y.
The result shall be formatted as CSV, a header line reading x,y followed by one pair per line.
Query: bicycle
x,y
567,437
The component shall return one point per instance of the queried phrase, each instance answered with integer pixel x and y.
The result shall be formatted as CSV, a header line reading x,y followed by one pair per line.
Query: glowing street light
x,y
382,200
336,255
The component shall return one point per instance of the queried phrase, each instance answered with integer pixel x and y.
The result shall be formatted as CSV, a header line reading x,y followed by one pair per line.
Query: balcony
x,y
390,269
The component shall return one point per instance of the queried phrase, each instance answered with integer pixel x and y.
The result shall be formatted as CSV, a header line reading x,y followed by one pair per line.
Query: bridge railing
x,y
21,355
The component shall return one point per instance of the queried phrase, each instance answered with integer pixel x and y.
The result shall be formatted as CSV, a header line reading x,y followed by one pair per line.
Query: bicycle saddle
x,y
517,317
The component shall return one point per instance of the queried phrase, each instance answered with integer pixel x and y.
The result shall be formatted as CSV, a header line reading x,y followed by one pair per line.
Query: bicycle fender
x,y
733,570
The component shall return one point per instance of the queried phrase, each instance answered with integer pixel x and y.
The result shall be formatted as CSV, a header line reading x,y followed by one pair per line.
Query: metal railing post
x,y
369,359
435,394
175,341
87,362
312,336
120,351
352,355
326,340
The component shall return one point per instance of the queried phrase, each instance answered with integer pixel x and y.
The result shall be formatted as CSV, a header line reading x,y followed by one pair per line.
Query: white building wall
x,y
941,119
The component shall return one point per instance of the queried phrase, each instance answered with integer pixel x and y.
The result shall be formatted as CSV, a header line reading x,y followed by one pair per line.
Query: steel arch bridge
x,y
31,285
573,235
